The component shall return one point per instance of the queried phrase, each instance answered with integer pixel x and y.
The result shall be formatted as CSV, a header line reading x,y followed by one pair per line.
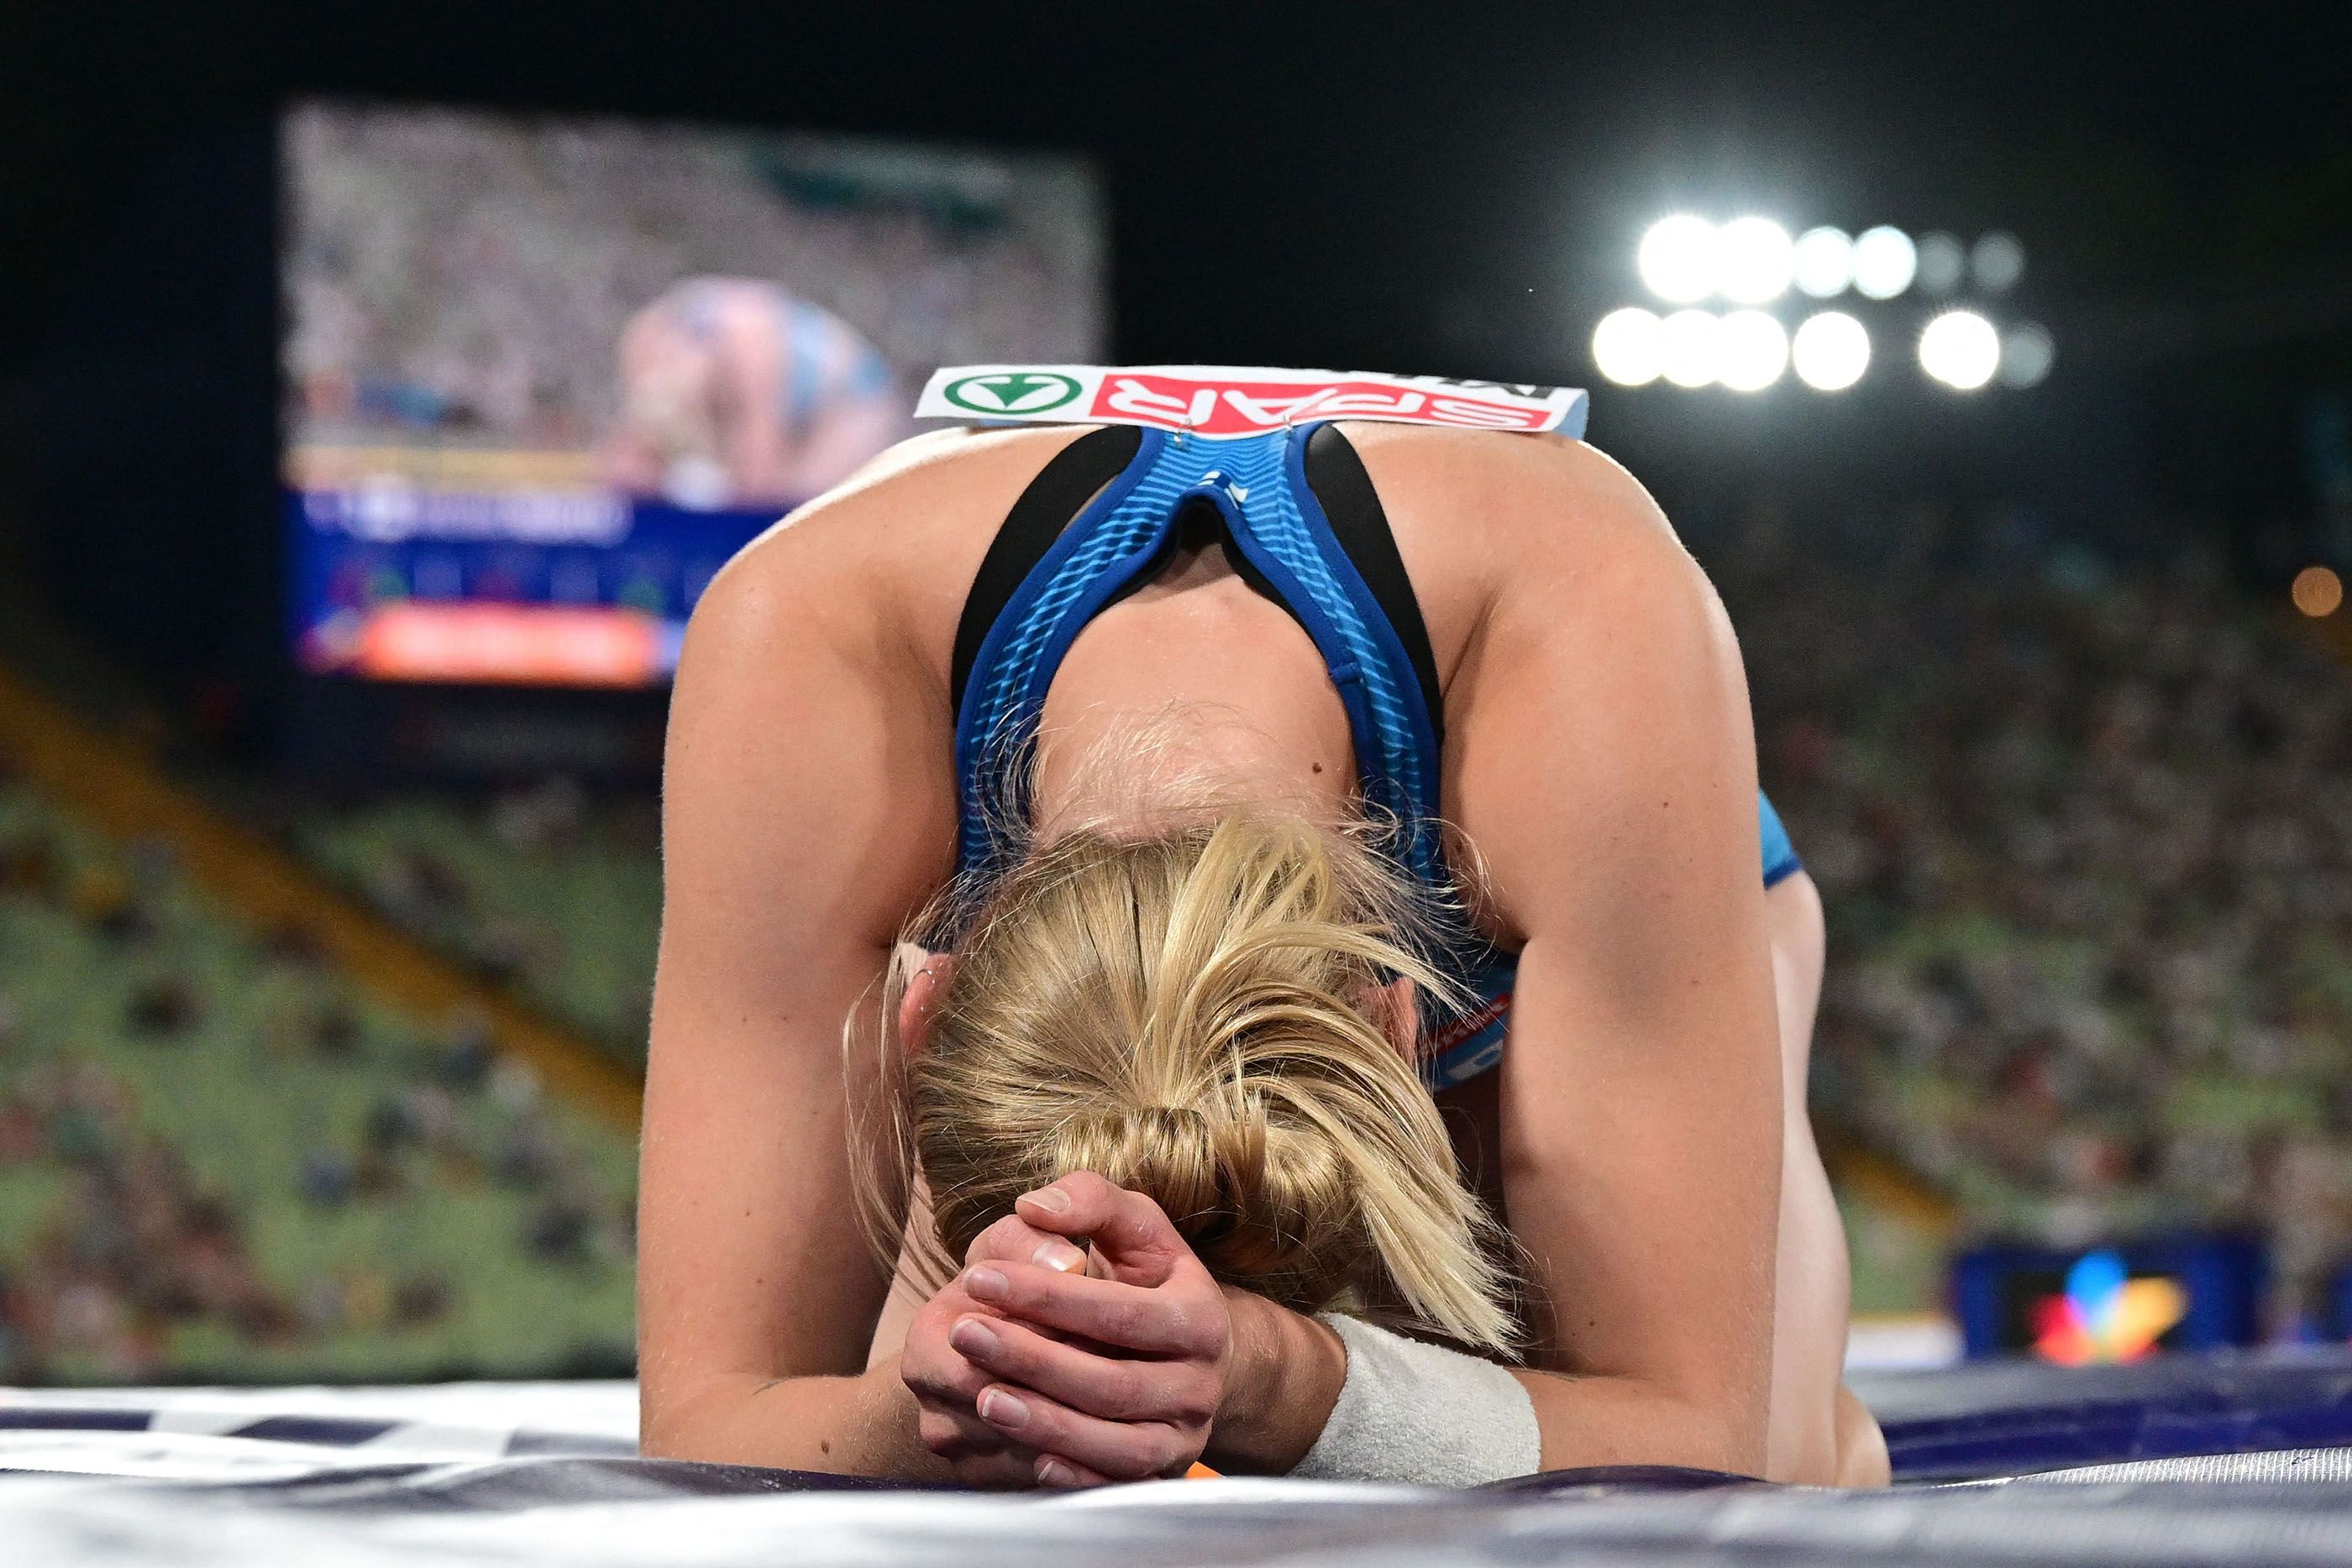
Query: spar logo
x,y
1236,406
1219,401
1009,393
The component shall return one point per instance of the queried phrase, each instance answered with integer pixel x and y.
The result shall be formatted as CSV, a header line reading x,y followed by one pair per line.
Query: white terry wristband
x,y
1410,1411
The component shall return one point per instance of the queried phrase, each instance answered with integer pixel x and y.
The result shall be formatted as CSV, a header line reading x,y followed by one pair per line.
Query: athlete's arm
x,y
807,809
1604,766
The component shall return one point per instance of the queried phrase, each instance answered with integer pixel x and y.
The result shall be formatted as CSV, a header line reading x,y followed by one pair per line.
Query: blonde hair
x,y
1186,1013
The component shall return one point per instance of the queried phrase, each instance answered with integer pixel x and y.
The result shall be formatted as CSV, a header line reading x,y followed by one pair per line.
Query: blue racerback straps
x,y
1042,582
1253,485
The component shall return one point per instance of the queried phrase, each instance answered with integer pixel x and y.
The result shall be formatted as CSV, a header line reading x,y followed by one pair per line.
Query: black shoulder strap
x,y
1335,474
1055,497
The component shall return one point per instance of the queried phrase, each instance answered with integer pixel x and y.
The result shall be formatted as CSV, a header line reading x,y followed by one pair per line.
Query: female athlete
x,y
1055,867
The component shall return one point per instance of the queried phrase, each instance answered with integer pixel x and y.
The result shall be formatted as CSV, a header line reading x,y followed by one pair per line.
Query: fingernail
x,y
1054,1473
972,1337
986,1285
1052,1199
999,1408
1058,1254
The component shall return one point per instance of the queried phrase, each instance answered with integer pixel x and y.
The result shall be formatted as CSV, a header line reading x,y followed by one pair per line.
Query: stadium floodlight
x,y
1831,350
1943,264
2026,353
1754,259
1883,261
1692,340
1629,346
1676,259
1823,262
1752,350
1960,350
2317,591
1998,260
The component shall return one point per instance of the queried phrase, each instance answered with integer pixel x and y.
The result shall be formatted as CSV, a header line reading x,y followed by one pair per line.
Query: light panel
x,y
1885,261
1752,350
1691,344
1830,351
1823,262
1676,259
1754,260
1960,350
1629,346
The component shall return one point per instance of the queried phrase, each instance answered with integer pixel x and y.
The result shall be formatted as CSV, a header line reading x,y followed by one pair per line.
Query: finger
x,y
1014,1239
929,1366
1131,1317
935,1372
1128,1228
1007,1467
952,1429
946,1388
1122,1450
962,1435
1058,1474
999,1472
1116,1388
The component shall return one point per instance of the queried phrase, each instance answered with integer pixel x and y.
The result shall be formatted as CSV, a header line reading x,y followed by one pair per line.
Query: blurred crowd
x,y
2084,831
218,1160
2084,838
472,273
543,887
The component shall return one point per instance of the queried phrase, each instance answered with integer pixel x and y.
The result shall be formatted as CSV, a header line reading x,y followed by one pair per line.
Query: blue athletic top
x,y
1304,526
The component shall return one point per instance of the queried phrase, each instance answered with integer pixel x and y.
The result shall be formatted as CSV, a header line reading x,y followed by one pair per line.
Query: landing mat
x,y
2177,1462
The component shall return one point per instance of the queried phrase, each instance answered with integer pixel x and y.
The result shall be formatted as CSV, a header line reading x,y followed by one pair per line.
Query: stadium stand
x,y
227,1153
540,888
2082,833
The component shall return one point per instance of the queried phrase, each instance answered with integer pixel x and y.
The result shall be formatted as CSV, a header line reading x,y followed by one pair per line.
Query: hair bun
x,y
1167,1152
1181,1014
1264,1204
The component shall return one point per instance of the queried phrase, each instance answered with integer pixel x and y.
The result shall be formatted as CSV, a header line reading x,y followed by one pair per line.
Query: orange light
x,y
524,642
2318,590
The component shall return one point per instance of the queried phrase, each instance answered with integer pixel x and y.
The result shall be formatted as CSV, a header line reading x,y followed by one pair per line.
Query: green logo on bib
x,y
1002,393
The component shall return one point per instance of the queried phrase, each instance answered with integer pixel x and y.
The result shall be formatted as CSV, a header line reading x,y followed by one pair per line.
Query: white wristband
x,y
1410,1411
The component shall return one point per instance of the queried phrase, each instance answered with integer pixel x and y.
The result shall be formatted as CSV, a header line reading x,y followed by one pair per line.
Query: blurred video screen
x,y
544,376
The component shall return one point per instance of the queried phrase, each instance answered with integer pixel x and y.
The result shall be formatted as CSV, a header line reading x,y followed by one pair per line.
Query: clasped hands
x,y
1083,1343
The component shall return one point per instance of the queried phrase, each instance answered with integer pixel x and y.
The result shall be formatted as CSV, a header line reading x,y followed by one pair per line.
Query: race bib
x,y
1220,401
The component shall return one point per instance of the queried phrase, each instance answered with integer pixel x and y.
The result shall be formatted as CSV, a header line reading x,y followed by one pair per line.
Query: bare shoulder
x,y
1525,525
878,565
1602,693
1522,491
1596,570
810,732
810,736
1573,519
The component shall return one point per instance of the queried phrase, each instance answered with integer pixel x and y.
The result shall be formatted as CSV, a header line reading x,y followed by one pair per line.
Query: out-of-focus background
x,y
378,392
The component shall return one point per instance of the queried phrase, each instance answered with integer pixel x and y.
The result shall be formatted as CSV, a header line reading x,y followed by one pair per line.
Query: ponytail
x,y
1192,1016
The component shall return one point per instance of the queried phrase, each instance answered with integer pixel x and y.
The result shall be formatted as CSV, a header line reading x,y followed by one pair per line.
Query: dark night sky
x,y
1429,187
1305,180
